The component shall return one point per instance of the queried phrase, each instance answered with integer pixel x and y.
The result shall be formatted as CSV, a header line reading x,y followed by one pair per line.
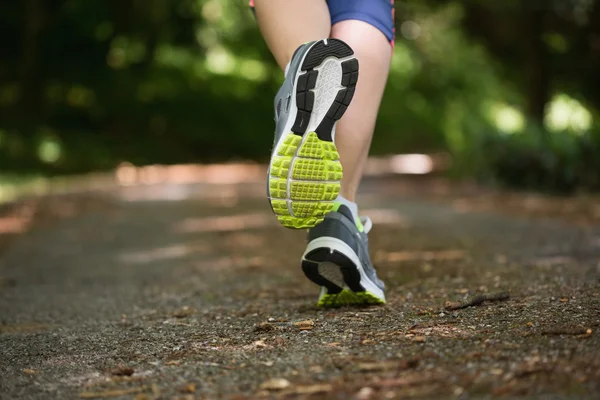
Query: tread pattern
x,y
305,100
316,174
305,171
348,298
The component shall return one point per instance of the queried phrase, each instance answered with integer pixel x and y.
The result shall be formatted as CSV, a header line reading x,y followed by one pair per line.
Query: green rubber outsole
x,y
349,298
304,180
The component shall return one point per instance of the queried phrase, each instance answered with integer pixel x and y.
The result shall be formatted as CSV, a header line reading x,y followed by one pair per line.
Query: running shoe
x,y
305,172
337,259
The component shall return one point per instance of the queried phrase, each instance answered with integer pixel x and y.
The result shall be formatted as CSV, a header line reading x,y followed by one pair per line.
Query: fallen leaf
x,y
275,384
305,325
378,366
266,327
23,328
445,255
110,393
127,378
259,344
417,378
3,281
425,311
334,344
503,390
313,389
29,371
566,330
501,259
316,369
365,393
183,312
155,390
188,388
474,355
122,371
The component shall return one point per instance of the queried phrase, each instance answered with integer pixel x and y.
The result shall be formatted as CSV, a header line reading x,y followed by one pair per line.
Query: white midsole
x,y
324,91
339,245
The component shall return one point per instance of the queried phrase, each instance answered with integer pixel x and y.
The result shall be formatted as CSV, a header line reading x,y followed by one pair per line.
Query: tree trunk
x,y
536,65
31,80
157,13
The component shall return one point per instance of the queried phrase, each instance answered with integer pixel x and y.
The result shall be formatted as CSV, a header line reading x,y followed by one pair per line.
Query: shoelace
x,y
367,223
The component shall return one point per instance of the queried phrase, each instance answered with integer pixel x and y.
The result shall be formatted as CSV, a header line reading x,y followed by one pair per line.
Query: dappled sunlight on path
x,y
197,284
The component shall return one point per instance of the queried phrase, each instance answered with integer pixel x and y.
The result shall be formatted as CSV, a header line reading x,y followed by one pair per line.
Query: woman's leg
x,y
287,24
355,130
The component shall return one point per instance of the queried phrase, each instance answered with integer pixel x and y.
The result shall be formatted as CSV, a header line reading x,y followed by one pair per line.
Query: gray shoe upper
x,y
283,98
340,225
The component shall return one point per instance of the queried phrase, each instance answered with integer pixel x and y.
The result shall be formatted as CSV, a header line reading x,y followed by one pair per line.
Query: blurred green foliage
x,y
510,89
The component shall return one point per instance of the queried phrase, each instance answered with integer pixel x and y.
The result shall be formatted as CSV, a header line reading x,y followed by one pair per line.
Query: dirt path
x,y
195,292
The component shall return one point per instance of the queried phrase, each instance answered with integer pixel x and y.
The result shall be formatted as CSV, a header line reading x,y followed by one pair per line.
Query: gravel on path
x,y
175,292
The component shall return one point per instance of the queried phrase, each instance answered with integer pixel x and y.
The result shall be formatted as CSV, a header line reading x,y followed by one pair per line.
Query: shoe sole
x,y
305,173
356,288
348,298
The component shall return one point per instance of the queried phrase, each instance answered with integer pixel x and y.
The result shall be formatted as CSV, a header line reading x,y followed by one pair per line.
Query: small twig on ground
x,y
531,371
110,393
412,380
567,330
476,300
217,365
122,371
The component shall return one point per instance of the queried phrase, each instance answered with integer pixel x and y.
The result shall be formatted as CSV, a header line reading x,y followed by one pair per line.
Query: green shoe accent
x,y
348,298
357,222
305,178
359,225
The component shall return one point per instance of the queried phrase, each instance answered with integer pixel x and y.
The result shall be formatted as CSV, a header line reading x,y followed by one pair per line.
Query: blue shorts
x,y
379,13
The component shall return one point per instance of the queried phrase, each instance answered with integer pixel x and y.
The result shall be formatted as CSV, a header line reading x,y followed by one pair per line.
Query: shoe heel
x,y
349,271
